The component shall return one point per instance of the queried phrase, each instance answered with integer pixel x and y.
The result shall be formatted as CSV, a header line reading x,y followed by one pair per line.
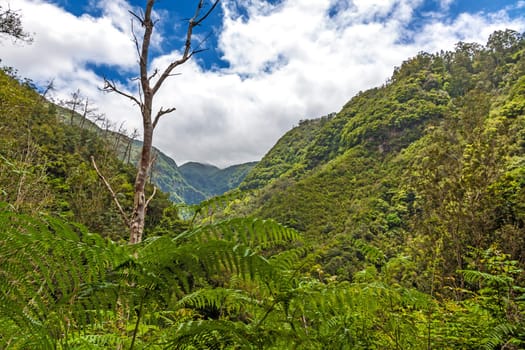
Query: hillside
x,y
45,163
287,157
435,156
165,174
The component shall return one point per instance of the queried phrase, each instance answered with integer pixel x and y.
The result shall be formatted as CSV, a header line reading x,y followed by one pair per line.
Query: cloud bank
x,y
285,61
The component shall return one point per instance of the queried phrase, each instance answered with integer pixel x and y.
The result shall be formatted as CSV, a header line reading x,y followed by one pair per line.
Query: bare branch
x,y
110,86
200,20
141,95
188,53
197,49
153,160
135,39
155,72
50,86
160,113
113,195
152,195
140,19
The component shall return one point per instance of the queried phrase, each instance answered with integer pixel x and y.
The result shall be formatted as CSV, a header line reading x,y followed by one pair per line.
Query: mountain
x,y
45,164
192,182
165,174
433,160
212,181
287,157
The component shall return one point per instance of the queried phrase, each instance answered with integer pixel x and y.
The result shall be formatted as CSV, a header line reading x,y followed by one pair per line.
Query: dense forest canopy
x,y
397,223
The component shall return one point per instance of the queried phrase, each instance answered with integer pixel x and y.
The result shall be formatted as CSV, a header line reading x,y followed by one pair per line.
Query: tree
x,y
11,25
148,89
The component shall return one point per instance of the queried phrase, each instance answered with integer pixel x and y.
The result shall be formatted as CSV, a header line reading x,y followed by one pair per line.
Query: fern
x,y
47,268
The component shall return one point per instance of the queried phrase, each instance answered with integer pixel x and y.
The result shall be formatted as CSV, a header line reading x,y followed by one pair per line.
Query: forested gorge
x,y
396,223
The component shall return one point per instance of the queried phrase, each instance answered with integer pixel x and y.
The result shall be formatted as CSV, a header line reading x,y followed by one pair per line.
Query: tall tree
x,y
149,87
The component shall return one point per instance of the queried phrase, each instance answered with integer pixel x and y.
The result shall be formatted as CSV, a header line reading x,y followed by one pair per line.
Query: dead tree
x,y
87,111
127,153
119,134
150,84
75,101
11,25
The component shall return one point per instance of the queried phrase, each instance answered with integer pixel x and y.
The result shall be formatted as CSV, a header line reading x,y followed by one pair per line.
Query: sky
x,y
267,64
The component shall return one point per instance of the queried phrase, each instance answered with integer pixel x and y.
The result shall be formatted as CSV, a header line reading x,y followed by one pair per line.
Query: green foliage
x,y
218,286
165,280
43,300
286,158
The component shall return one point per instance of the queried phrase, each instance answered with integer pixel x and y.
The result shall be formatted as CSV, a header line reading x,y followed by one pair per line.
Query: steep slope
x,y
435,156
231,177
287,156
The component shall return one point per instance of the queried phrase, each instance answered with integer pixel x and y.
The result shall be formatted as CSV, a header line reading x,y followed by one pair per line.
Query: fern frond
x,y
473,276
227,301
256,233
205,334
39,293
498,336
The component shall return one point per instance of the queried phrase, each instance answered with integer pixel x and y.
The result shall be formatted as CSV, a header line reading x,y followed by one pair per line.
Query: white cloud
x,y
288,61
445,4
63,43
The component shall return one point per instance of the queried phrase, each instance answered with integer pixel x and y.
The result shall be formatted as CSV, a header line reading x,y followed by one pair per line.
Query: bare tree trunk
x,y
139,203
145,101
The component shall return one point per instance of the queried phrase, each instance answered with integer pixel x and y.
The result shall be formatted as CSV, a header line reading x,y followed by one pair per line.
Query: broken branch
x,y
110,86
113,195
160,113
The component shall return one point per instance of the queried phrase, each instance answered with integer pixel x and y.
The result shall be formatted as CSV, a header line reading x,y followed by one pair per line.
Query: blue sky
x,y
268,64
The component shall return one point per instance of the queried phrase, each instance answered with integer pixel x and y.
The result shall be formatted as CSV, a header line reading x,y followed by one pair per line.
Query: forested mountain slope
x,y
76,139
434,160
165,173
212,181
287,157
